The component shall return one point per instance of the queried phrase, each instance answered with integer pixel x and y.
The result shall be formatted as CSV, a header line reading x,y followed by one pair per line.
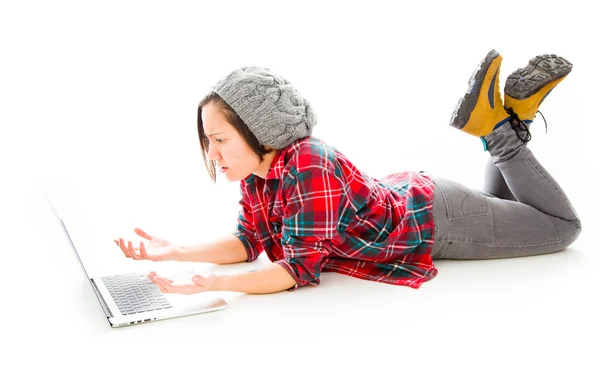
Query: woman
x,y
311,210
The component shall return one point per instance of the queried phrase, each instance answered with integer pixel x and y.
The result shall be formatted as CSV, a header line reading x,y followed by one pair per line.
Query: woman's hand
x,y
158,249
199,284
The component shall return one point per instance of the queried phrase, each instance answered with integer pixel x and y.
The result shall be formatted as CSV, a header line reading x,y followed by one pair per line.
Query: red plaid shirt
x,y
315,212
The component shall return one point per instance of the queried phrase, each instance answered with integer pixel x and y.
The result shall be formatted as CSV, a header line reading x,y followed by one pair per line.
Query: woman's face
x,y
234,157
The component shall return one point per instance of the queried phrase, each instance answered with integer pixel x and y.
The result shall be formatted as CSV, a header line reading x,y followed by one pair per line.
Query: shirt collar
x,y
276,167
277,164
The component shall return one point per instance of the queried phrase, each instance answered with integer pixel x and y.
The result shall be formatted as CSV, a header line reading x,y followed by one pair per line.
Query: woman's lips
x,y
223,169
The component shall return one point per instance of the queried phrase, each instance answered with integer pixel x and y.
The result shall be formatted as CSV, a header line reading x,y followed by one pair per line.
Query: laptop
x,y
132,298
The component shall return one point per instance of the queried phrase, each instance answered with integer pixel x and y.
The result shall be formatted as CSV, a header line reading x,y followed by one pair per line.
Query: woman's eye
x,y
219,140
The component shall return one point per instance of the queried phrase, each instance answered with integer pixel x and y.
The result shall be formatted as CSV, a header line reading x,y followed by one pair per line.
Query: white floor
x,y
103,103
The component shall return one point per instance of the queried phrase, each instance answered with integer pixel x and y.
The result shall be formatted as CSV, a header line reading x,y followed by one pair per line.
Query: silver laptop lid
x,y
103,304
67,233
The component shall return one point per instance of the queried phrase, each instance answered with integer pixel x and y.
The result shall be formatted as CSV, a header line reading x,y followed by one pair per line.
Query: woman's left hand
x,y
199,284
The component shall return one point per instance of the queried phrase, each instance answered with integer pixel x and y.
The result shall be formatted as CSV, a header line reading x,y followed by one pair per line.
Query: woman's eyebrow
x,y
213,134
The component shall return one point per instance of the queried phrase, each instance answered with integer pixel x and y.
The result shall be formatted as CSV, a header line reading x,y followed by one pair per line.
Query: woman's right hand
x,y
158,249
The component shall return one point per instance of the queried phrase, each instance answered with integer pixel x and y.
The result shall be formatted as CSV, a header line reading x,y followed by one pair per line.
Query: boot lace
x,y
522,126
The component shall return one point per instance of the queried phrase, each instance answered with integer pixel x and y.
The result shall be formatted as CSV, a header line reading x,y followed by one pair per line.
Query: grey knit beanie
x,y
268,104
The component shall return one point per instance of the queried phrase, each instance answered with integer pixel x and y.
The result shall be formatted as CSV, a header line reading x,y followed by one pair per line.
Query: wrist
x,y
179,253
219,284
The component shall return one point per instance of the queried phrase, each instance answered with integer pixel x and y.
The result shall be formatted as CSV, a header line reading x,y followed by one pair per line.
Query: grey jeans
x,y
522,210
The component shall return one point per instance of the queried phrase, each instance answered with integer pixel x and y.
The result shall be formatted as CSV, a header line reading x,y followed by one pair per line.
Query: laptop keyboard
x,y
135,293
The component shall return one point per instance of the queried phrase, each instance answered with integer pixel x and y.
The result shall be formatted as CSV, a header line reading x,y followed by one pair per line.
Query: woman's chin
x,y
233,177
230,176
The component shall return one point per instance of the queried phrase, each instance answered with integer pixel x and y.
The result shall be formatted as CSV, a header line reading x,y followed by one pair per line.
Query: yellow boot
x,y
526,88
481,110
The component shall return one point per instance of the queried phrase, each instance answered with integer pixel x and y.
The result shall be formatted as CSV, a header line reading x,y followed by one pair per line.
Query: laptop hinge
x,y
101,299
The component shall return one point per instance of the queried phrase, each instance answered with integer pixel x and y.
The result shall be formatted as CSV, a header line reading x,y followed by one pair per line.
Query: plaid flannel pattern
x,y
316,212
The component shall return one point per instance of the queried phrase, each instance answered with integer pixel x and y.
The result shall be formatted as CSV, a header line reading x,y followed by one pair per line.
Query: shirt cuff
x,y
292,270
292,273
251,250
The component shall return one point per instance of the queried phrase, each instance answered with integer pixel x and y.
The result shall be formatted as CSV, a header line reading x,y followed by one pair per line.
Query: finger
x,y
165,279
167,286
160,286
142,233
143,252
123,248
134,254
160,283
153,276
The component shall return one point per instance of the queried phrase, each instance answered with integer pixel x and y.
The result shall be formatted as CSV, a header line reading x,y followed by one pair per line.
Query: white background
x,y
100,98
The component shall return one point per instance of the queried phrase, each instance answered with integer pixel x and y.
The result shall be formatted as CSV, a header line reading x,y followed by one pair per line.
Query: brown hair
x,y
235,121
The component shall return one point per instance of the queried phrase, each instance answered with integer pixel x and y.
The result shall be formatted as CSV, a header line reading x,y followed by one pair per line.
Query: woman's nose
x,y
213,153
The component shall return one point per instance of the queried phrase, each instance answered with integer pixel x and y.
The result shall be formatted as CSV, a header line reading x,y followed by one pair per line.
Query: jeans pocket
x,y
461,201
464,222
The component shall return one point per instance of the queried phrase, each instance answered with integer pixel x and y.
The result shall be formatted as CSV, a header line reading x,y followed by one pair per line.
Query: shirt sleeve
x,y
246,229
315,208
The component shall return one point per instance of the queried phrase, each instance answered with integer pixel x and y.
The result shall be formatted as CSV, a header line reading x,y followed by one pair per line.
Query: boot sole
x,y
540,71
467,103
